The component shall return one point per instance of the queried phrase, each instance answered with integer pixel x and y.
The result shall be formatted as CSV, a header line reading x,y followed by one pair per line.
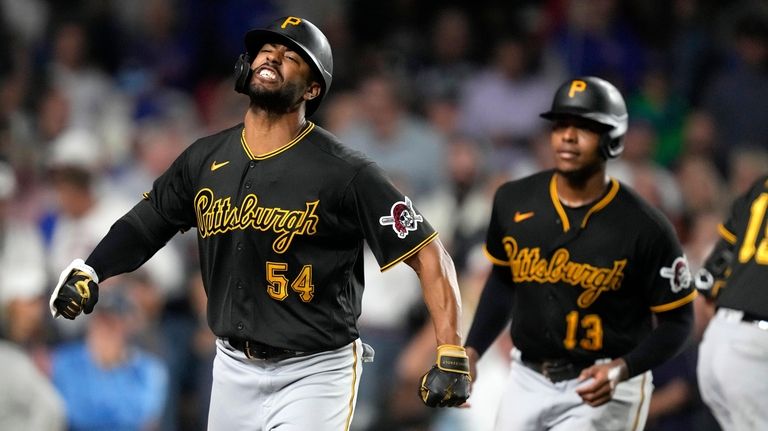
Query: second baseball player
x,y
581,264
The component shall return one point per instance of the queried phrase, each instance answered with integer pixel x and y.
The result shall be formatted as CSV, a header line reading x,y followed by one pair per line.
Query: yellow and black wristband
x,y
452,358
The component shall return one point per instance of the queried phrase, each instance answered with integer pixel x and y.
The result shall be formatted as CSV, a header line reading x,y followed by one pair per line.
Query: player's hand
x,y
603,379
447,383
77,291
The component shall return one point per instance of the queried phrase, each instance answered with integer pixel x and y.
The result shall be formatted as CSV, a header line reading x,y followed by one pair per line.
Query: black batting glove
x,y
447,383
77,291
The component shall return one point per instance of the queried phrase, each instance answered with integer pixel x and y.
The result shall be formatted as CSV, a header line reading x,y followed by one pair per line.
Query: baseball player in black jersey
x,y
282,210
733,355
581,265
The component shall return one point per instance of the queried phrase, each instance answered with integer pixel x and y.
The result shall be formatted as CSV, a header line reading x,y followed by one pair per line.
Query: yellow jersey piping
x,y
493,260
726,234
602,203
294,141
642,400
354,384
558,206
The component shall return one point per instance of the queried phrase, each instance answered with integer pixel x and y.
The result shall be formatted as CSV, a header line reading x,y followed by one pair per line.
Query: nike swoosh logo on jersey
x,y
215,165
522,216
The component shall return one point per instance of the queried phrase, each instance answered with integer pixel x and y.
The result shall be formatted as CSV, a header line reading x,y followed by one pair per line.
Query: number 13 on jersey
x,y
593,331
750,248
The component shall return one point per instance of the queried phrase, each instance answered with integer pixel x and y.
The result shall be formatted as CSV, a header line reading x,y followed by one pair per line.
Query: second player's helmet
x,y
304,38
597,100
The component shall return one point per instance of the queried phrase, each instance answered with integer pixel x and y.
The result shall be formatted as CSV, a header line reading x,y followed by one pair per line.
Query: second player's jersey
x,y
587,280
746,230
281,234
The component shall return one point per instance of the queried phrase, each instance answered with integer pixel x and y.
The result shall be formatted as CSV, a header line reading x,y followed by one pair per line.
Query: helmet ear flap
x,y
611,148
243,73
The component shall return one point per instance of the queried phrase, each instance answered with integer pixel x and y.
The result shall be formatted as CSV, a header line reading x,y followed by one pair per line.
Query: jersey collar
x,y
605,200
294,141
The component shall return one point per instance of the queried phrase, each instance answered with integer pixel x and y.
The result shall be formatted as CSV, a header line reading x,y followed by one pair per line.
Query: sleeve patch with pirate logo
x,y
403,218
678,274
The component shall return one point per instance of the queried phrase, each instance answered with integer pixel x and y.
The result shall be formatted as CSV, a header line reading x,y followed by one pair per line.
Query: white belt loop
x,y
730,315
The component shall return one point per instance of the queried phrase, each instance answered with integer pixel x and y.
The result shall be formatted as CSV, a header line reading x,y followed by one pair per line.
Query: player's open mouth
x,y
567,155
266,73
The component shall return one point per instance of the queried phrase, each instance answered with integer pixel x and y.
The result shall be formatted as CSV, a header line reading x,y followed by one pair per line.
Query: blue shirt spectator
x,y
105,381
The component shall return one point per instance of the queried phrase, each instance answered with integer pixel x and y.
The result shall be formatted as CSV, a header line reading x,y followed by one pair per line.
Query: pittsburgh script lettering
x,y
216,216
528,266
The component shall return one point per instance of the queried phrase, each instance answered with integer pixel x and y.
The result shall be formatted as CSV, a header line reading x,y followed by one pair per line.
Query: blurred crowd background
x,y
97,97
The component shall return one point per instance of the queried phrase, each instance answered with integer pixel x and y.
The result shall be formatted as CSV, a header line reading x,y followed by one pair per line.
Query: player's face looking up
x,y
576,142
281,79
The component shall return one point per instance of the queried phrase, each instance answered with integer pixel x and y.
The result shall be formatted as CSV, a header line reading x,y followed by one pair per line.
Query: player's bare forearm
x,y
441,290
447,383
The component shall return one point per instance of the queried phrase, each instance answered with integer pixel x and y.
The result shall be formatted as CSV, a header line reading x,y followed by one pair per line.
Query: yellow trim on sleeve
x,y
726,234
145,195
493,260
409,253
675,304
558,206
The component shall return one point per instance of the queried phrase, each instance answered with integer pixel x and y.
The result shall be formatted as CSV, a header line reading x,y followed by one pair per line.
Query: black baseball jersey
x,y
746,230
587,280
281,235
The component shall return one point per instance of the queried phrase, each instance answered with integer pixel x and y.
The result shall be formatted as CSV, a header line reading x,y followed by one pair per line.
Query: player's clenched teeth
x,y
267,73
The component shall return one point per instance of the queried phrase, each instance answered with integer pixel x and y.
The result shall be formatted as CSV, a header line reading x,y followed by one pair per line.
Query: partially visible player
x,y
581,265
733,355
282,210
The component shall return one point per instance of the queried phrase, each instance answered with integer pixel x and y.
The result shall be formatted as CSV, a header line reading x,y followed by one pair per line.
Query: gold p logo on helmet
x,y
577,86
292,20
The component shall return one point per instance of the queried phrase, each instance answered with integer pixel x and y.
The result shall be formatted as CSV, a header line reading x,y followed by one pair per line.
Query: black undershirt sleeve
x,y
668,339
131,241
493,311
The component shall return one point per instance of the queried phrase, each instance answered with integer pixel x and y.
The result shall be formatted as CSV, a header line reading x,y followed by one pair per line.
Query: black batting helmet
x,y
597,100
304,38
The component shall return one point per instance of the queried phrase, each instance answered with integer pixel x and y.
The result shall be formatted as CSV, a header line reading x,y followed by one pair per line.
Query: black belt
x,y
753,318
734,315
256,350
557,370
